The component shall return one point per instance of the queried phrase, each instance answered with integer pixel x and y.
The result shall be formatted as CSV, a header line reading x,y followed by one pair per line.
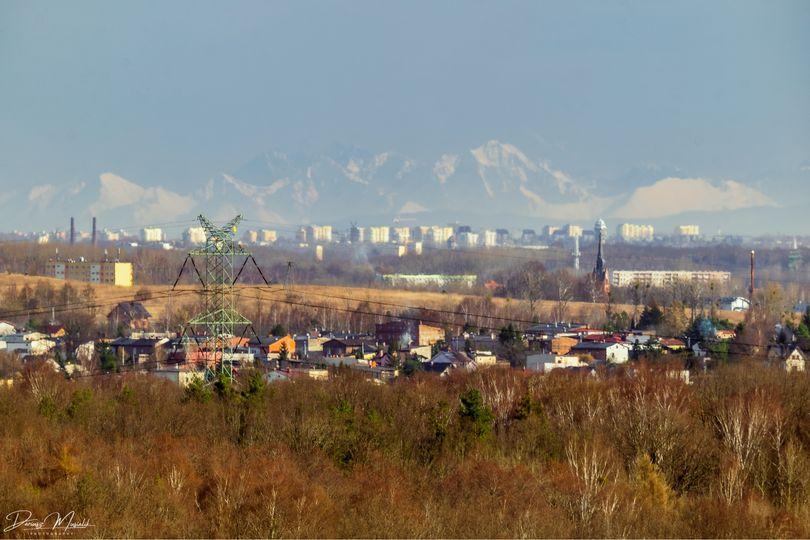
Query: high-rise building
x,y
467,239
301,235
572,230
402,234
630,232
489,238
687,230
550,230
268,236
151,234
194,236
317,233
379,235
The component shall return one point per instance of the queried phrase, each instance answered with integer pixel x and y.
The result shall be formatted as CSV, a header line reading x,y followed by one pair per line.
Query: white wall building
x,y
379,235
152,234
631,232
489,238
194,236
545,363
661,278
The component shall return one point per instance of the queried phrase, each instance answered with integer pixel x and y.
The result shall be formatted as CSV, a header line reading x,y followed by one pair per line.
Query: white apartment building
x,y
572,230
317,233
631,232
438,236
152,234
687,230
268,235
489,238
379,235
467,239
194,236
402,234
660,278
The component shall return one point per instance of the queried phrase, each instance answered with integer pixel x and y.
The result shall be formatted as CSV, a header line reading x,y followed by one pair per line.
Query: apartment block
x,y
661,278
631,232
104,272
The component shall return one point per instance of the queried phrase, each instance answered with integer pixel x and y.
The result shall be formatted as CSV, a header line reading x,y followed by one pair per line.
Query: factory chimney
x,y
751,283
93,237
72,231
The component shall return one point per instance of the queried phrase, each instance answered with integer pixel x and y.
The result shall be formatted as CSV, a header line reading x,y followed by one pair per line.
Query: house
x,y
614,353
545,363
406,333
794,360
128,317
275,347
309,345
672,344
725,335
27,345
138,350
445,362
349,347
734,303
54,330
484,359
7,329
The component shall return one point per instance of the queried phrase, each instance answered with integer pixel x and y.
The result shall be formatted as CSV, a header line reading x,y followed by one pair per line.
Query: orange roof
x,y
287,340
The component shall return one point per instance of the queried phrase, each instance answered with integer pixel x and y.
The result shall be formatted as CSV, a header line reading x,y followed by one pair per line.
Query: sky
x,y
173,93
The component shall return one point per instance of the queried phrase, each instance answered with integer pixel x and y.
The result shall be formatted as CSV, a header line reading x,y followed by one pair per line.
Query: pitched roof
x,y
132,310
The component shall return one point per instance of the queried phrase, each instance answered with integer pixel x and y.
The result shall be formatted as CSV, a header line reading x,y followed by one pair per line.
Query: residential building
x,y
734,303
357,235
195,236
631,232
445,362
105,272
545,363
572,230
379,235
467,239
687,230
427,280
111,236
316,233
151,234
128,317
402,234
252,237
660,278
301,235
550,230
489,238
613,353
268,236
138,350
408,333
795,360
349,347
438,236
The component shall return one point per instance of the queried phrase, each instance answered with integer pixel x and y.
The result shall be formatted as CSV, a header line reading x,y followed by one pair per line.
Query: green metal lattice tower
x,y
219,321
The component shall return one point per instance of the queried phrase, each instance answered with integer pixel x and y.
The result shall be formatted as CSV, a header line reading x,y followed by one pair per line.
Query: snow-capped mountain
x,y
341,183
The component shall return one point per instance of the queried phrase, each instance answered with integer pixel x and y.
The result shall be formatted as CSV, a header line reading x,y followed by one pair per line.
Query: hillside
x,y
341,299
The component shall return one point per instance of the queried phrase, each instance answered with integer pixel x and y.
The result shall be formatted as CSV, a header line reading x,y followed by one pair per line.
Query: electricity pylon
x,y
214,329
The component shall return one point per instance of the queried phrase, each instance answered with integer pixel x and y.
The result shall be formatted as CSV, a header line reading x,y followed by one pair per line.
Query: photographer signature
x,y
55,521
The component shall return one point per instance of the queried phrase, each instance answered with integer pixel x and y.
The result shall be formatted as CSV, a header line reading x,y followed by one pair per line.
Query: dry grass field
x,y
322,297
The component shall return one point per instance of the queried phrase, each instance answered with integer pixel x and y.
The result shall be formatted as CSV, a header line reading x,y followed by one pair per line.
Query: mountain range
x,y
494,184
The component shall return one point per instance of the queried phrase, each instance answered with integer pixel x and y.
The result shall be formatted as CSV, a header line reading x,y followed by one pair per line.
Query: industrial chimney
x,y
72,231
751,284
93,237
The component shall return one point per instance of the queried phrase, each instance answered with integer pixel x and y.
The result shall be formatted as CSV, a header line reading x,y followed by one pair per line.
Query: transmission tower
x,y
214,328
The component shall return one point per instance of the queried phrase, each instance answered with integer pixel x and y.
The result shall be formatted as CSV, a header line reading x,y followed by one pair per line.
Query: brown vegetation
x,y
493,454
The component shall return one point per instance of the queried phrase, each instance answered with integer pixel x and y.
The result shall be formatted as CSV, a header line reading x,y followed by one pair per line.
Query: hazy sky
x,y
171,92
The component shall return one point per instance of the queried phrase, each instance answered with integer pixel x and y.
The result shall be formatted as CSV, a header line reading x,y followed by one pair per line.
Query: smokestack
x,y
751,284
72,231
93,237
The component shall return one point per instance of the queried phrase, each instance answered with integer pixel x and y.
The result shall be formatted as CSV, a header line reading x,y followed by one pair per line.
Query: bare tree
x,y
562,285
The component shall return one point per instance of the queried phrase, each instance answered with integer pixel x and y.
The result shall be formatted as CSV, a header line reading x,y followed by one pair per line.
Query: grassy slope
x,y
313,294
